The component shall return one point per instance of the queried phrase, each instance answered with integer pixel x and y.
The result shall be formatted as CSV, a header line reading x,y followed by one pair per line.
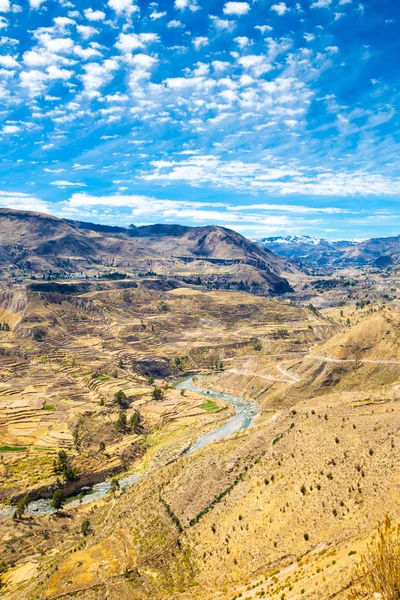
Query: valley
x,y
210,440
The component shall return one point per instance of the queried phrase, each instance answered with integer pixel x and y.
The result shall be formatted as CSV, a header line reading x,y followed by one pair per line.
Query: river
x,y
245,413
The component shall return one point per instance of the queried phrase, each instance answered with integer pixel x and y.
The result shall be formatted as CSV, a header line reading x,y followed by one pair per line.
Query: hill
x,y
37,244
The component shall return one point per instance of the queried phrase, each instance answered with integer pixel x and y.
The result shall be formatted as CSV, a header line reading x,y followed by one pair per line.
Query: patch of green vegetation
x,y
103,378
278,439
210,406
13,448
49,407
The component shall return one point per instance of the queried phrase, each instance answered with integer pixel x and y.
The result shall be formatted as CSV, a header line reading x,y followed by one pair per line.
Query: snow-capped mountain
x,y
319,252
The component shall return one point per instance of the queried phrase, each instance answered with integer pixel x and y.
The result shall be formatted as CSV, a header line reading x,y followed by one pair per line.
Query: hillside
x,y
35,244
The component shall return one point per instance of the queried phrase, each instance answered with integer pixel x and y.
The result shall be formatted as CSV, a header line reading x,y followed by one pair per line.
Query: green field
x,y
210,406
13,448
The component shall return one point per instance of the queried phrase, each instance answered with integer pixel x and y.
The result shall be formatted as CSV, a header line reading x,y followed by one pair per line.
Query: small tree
x,y
21,507
86,527
120,398
135,421
157,394
121,423
58,500
114,485
378,573
121,363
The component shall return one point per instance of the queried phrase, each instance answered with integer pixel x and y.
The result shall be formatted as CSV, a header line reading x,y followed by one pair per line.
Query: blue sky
x,y
268,117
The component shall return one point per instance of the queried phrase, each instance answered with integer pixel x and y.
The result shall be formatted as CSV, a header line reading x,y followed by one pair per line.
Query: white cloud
x,y
263,28
10,129
199,42
220,65
174,24
221,24
62,183
236,8
20,201
127,42
242,41
144,61
257,63
5,6
280,8
183,4
8,62
35,4
94,15
86,31
123,7
97,75
157,15
321,4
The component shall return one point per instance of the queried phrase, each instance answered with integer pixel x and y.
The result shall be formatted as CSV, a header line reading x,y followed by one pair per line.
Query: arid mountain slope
x,y
36,243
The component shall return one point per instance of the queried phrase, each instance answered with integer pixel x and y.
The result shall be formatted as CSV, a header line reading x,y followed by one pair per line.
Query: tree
x,y
86,527
157,394
58,499
21,507
150,380
378,573
114,485
120,398
62,465
121,423
102,446
134,421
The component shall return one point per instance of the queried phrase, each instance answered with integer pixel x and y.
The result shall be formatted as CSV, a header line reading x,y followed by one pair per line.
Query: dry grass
x,y
378,573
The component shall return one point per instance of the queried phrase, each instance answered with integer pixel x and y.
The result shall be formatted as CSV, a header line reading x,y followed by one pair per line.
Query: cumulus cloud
x,y
321,4
127,42
199,41
123,7
221,24
94,15
236,8
35,4
280,8
10,129
183,4
5,6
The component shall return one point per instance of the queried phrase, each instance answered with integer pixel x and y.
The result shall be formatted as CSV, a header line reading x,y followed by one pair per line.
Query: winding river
x,y
245,412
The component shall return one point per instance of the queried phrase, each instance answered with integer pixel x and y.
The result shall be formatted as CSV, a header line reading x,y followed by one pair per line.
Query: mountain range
x,y
320,252
39,244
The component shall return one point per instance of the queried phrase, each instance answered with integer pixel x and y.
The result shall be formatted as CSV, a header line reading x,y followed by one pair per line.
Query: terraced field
x,y
280,510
